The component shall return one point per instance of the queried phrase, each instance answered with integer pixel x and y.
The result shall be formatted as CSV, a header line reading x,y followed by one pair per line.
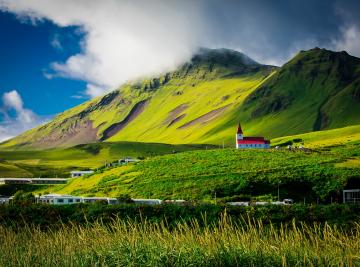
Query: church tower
x,y
239,135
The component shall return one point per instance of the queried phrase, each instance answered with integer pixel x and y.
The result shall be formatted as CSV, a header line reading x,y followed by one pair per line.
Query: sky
x,y
56,54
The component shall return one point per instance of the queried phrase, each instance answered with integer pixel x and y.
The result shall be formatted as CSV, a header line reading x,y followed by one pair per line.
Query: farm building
x,y
56,199
5,200
147,201
127,160
80,173
33,181
250,142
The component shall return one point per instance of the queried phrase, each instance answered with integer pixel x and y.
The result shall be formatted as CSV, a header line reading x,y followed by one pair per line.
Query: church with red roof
x,y
250,142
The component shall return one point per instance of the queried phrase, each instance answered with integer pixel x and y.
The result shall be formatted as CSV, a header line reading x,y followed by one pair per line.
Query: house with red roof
x,y
250,142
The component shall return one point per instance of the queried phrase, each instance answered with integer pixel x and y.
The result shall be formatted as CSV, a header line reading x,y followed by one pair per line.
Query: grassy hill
x,y
228,173
316,90
204,99
164,109
59,162
231,174
318,139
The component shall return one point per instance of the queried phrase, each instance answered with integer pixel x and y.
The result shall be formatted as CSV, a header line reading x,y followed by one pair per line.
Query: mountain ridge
x,y
202,100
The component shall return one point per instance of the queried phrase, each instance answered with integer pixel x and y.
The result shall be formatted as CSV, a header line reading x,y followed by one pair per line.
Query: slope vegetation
x,y
316,90
168,109
59,162
230,174
318,139
203,100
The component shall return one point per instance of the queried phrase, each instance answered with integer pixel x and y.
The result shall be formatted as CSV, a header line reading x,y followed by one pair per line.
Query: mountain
x,y
203,100
316,90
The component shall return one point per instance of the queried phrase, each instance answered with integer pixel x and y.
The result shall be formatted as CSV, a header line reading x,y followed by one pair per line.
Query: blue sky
x,y
26,52
55,54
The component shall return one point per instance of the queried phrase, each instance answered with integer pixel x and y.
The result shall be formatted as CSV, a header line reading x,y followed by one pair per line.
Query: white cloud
x,y
349,41
24,118
123,40
56,43
95,90
129,39
13,100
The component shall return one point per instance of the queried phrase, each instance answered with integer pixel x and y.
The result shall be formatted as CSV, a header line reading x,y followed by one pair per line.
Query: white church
x,y
250,142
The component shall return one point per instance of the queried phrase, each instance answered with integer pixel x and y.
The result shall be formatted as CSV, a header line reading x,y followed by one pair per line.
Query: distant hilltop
x,y
201,101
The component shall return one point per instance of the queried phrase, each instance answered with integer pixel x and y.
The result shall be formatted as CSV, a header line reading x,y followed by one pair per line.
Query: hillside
x,y
231,174
203,100
321,139
316,90
59,162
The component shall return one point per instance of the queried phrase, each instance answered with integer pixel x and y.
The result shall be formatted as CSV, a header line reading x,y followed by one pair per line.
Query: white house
x,y
80,173
147,201
5,200
127,160
57,199
242,203
33,181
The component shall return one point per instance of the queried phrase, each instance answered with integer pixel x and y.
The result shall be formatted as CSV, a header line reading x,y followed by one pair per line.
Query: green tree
x,y
23,199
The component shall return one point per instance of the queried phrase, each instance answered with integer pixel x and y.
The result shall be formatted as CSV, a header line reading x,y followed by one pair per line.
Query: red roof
x,y
252,142
239,131
254,138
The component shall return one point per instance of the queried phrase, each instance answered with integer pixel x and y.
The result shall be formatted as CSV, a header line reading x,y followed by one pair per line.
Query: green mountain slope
x,y
318,89
232,174
204,99
61,161
161,109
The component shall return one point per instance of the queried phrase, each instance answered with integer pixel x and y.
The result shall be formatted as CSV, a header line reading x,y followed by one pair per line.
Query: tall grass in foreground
x,y
127,243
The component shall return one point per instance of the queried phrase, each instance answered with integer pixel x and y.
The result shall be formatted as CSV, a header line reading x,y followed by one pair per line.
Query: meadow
x,y
59,162
130,243
228,175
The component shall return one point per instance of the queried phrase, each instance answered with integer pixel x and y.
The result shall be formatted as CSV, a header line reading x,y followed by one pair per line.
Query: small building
x,y
250,142
75,174
127,160
5,200
15,181
48,181
147,201
351,196
238,203
56,199
33,181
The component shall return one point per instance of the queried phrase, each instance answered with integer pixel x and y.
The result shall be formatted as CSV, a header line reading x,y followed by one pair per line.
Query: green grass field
x,y
335,137
129,243
59,162
231,174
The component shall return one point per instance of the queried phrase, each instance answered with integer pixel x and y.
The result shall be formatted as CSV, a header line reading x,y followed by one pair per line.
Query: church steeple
x,y
239,130
239,135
